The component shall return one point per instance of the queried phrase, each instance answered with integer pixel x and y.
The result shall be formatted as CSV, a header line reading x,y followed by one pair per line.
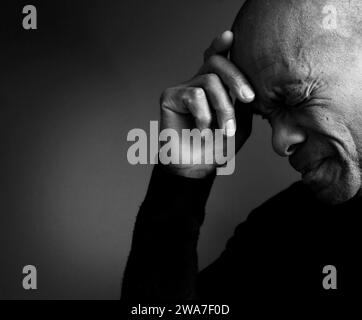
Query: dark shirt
x,y
279,251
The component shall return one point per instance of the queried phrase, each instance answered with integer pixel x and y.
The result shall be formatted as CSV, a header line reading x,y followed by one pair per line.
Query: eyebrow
x,y
296,94
292,95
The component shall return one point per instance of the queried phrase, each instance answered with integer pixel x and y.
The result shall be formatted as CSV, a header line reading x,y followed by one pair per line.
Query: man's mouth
x,y
314,174
318,174
313,168
310,168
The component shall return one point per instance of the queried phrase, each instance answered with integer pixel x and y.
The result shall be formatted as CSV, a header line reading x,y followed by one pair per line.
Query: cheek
x,y
327,132
322,122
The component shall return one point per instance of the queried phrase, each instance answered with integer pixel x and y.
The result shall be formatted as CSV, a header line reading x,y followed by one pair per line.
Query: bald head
x,y
304,61
305,15
307,31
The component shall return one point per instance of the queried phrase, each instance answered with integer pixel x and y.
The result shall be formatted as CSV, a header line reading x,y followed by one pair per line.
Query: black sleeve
x,y
163,263
230,276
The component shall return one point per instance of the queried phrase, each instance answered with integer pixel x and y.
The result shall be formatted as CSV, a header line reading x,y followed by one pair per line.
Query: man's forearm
x,y
163,261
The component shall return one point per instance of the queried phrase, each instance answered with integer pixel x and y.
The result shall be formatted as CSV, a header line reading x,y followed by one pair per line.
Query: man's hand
x,y
206,102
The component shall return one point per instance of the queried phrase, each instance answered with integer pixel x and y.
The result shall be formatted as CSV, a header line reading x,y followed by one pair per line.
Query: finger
x,y
191,100
221,45
220,101
195,100
231,77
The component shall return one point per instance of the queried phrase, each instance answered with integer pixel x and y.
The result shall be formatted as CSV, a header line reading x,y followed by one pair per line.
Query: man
x,y
303,74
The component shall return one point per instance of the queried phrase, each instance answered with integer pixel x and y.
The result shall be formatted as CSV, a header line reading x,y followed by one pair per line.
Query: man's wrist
x,y
190,173
178,194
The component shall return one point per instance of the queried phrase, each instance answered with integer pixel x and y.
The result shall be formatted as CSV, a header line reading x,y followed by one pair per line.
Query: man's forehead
x,y
288,28
287,47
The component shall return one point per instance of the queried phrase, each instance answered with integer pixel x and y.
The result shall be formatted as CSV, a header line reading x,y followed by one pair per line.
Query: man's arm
x,y
163,261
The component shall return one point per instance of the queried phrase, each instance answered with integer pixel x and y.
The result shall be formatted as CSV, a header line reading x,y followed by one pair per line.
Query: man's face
x,y
310,91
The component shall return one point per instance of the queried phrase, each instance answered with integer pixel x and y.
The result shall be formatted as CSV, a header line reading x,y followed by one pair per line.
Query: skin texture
x,y
308,84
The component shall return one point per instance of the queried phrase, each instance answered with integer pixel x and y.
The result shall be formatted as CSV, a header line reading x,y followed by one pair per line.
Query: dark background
x,y
69,93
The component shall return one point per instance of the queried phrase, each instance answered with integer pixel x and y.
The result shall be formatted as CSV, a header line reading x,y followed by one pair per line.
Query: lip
x,y
308,174
308,168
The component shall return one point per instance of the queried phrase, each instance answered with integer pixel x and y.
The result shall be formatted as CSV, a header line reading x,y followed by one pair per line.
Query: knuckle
x,y
212,79
237,78
238,87
197,93
187,99
229,113
204,118
234,83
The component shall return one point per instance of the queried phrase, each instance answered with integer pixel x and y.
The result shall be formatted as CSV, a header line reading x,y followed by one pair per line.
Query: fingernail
x,y
247,93
226,33
230,128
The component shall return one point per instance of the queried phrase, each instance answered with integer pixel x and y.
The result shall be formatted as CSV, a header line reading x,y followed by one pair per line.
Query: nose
x,y
287,137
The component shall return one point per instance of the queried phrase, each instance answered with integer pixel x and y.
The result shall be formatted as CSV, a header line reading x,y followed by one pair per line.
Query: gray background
x,y
69,94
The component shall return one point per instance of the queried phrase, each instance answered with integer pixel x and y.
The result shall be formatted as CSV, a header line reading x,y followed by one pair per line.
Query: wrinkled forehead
x,y
301,36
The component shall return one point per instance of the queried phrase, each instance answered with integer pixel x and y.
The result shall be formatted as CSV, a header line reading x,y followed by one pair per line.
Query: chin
x,y
343,189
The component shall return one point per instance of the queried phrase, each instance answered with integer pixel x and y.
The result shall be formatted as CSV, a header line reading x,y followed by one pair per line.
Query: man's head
x,y
304,60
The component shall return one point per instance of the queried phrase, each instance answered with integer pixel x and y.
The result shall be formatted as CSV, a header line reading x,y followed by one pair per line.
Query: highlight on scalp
x,y
292,28
348,13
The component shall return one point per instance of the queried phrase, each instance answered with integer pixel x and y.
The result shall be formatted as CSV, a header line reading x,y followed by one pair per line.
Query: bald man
x,y
292,64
